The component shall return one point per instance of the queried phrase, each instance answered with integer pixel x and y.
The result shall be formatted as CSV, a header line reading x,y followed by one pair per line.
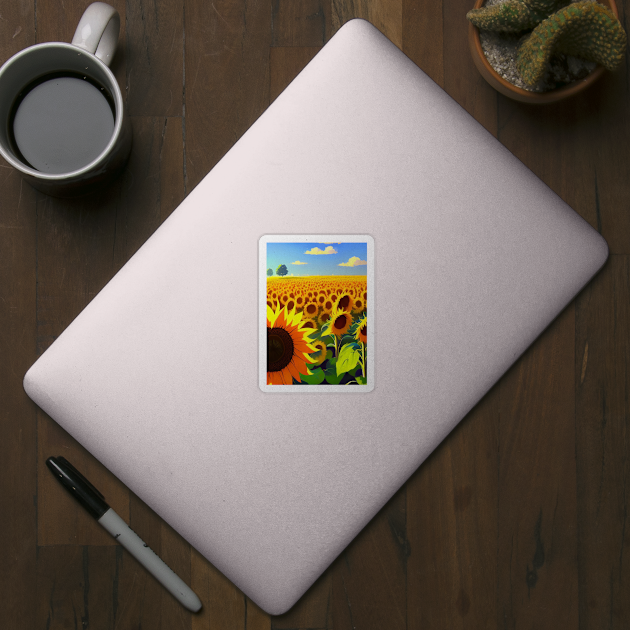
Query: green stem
x,y
363,358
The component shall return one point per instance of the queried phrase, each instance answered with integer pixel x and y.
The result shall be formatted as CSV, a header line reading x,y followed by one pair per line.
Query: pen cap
x,y
78,486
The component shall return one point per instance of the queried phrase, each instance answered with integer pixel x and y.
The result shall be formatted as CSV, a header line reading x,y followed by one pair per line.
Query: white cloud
x,y
316,251
354,261
297,262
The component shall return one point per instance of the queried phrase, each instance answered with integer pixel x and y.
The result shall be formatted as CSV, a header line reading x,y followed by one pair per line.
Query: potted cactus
x,y
557,49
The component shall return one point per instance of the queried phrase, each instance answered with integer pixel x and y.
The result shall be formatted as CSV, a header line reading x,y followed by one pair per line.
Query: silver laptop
x,y
268,432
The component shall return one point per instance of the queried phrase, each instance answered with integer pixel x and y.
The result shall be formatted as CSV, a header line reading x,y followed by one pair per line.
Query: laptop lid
x,y
371,176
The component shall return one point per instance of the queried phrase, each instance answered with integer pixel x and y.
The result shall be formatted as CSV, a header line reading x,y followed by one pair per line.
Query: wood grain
x,y
226,78
154,57
369,577
461,79
602,381
537,537
422,36
452,518
300,23
18,324
76,587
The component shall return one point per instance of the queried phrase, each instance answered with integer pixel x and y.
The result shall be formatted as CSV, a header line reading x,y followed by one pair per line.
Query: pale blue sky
x,y
307,259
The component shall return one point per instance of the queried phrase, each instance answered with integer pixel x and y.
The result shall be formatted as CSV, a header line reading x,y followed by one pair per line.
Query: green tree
x,y
282,270
270,272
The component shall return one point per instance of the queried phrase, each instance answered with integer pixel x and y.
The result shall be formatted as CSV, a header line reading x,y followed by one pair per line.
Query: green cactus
x,y
583,29
513,16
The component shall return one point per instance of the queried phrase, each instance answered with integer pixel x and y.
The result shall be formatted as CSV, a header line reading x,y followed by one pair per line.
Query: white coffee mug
x,y
62,114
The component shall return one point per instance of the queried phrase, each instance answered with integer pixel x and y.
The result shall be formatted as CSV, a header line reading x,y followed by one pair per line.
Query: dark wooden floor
x,y
518,520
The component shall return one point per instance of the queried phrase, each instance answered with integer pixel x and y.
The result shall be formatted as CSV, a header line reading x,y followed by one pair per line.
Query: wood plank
x,y
76,587
17,28
386,15
154,57
18,419
608,127
226,78
537,503
423,36
300,23
452,527
18,415
462,80
602,381
369,587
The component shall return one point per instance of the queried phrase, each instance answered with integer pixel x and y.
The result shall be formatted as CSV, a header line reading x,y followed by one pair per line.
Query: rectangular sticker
x,y
316,313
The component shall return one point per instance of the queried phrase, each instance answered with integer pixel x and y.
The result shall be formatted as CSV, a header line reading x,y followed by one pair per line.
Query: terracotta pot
x,y
512,91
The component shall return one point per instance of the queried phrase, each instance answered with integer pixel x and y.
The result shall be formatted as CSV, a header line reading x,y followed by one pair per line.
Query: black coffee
x,y
62,123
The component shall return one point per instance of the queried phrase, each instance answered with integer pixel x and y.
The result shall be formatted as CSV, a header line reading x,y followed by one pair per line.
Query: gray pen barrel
x,y
149,559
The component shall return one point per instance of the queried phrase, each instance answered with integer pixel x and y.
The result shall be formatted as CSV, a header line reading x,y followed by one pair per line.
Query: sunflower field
x,y
317,330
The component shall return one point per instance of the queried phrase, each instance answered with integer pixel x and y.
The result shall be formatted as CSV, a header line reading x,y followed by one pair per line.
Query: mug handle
x,y
98,30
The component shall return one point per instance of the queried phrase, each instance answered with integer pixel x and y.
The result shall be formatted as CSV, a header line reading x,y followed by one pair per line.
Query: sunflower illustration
x,y
310,310
323,318
341,321
310,324
320,355
345,302
288,347
361,332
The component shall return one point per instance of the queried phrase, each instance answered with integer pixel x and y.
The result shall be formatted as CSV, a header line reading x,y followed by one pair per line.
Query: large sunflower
x,y
341,321
345,302
288,347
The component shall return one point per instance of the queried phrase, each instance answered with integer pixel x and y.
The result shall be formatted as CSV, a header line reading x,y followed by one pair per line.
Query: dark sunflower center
x,y
279,349
340,322
364,330
344,301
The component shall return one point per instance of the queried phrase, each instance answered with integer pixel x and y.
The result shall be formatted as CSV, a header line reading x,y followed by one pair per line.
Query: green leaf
x,y
327,329
348,359
361,380
315,378
332,378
